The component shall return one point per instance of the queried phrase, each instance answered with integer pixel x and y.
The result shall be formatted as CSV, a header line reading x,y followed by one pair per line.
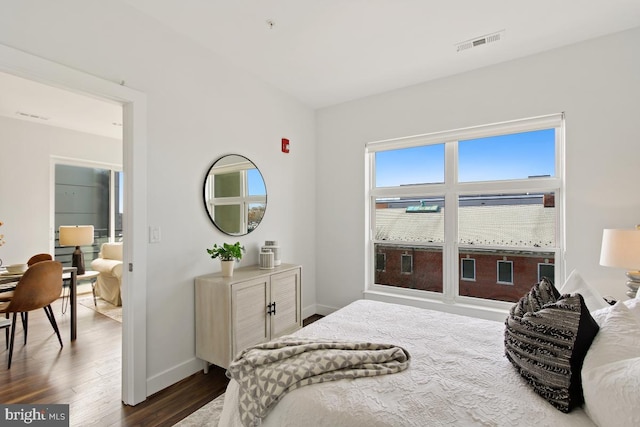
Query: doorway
x,y
24,65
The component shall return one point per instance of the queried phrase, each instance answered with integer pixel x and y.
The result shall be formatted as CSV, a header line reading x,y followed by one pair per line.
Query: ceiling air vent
x,y
31,116
479,41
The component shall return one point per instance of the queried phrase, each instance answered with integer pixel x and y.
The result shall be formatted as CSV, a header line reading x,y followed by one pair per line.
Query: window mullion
x,y
450,250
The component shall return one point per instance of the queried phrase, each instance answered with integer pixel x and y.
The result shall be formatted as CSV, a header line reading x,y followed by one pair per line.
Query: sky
x,y
256,183
514,156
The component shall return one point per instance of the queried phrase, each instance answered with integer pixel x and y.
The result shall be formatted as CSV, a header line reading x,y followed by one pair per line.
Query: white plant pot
x,y
227,268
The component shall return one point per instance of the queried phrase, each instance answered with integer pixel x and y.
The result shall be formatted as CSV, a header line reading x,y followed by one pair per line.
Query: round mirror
x,y
235,195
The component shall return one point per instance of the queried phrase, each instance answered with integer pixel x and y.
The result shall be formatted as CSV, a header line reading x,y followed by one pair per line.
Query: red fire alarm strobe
x,y
285,145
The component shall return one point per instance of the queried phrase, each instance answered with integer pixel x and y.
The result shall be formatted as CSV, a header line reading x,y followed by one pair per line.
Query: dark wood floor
x,y
86,374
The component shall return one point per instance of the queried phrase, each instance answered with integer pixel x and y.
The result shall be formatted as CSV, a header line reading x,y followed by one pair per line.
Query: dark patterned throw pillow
x,y
547,344
540,294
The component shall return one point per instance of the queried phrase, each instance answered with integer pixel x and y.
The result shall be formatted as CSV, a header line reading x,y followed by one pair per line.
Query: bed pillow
x,y
611,369
547,347
618,339
575,283
540,294
611,393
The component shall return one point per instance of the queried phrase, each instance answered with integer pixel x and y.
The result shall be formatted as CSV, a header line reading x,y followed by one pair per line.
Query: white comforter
x,y
458,376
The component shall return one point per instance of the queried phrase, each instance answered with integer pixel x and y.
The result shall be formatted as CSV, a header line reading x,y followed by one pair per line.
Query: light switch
x,y
154,233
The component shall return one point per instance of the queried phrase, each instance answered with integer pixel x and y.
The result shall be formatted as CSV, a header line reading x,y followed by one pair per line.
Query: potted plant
x,y
228,255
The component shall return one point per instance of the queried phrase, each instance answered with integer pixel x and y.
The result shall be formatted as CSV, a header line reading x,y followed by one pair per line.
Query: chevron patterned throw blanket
x,y
268,371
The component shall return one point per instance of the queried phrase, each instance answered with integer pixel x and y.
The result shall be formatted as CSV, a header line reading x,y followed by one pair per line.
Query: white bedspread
x,y
458,376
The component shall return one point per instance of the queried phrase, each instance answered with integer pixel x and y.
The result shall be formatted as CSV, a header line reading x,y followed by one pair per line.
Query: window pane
x,y
228,217
410,219
521,269
119,208
380,262
407,166
256,185
227,185
514,156
81,198
468,269
505,272
514,220
548,271
425,265
255,215
407,264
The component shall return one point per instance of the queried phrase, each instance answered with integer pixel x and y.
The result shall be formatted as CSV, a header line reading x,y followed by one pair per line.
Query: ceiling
x,y
34,102
325,52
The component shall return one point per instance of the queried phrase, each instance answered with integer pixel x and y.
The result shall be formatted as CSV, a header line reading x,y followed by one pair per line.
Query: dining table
x,y
8,282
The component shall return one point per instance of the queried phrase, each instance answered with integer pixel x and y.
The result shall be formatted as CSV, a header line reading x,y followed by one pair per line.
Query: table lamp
x,y
76,235
621,248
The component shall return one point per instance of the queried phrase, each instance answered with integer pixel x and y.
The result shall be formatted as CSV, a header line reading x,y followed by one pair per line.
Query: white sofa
x,y
109,265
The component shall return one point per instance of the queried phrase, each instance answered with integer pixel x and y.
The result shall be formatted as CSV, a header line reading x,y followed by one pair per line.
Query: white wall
x,y
26,150
199,108
596,83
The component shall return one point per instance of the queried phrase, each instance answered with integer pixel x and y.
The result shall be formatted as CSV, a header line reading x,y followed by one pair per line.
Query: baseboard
x,y
179,372
308,311
171,376
325,310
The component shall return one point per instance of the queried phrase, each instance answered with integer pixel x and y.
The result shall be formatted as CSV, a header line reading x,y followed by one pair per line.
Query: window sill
x,y
480,310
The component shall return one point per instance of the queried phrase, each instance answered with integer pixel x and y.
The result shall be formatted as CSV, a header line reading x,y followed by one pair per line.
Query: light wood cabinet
x,y
253,306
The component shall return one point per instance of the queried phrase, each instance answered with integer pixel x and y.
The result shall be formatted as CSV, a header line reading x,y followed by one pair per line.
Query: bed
x,y
458,375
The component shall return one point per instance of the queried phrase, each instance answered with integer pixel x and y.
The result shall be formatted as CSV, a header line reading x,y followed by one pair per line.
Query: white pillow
x,y
634,307
611,393
618,338
614,354
575,283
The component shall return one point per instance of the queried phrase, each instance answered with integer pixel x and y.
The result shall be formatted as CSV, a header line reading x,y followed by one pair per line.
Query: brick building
x,y
495,234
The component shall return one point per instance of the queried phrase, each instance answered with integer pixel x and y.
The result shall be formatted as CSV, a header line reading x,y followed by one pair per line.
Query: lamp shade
x,y
76,235
620,248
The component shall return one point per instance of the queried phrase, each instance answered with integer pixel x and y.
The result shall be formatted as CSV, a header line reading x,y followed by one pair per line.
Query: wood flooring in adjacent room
x,y
86,374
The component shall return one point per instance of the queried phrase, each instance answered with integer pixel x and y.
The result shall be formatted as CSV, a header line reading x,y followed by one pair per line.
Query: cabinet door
x,y
248,313
285,292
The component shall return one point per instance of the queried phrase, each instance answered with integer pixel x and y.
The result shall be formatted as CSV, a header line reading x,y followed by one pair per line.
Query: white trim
x,y
474,310
13,61
512,126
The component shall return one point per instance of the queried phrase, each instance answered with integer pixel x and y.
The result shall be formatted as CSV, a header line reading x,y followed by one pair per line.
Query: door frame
x,y
134,103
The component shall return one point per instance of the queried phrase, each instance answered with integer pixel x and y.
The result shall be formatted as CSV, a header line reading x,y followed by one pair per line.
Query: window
x,y
381,262
468,269
462,202
406,264
546,270
505,272
88,195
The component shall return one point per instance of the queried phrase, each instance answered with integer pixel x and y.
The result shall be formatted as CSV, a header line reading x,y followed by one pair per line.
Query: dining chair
x,y
6,325
6,296
40,285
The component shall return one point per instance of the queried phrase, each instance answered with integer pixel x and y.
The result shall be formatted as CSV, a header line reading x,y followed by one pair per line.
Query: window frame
x,y
384,262
115,174
452,190
508,262
402,258
544,263
462,269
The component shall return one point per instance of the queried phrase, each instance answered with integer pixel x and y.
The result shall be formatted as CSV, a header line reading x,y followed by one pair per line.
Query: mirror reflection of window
x,y
235,195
